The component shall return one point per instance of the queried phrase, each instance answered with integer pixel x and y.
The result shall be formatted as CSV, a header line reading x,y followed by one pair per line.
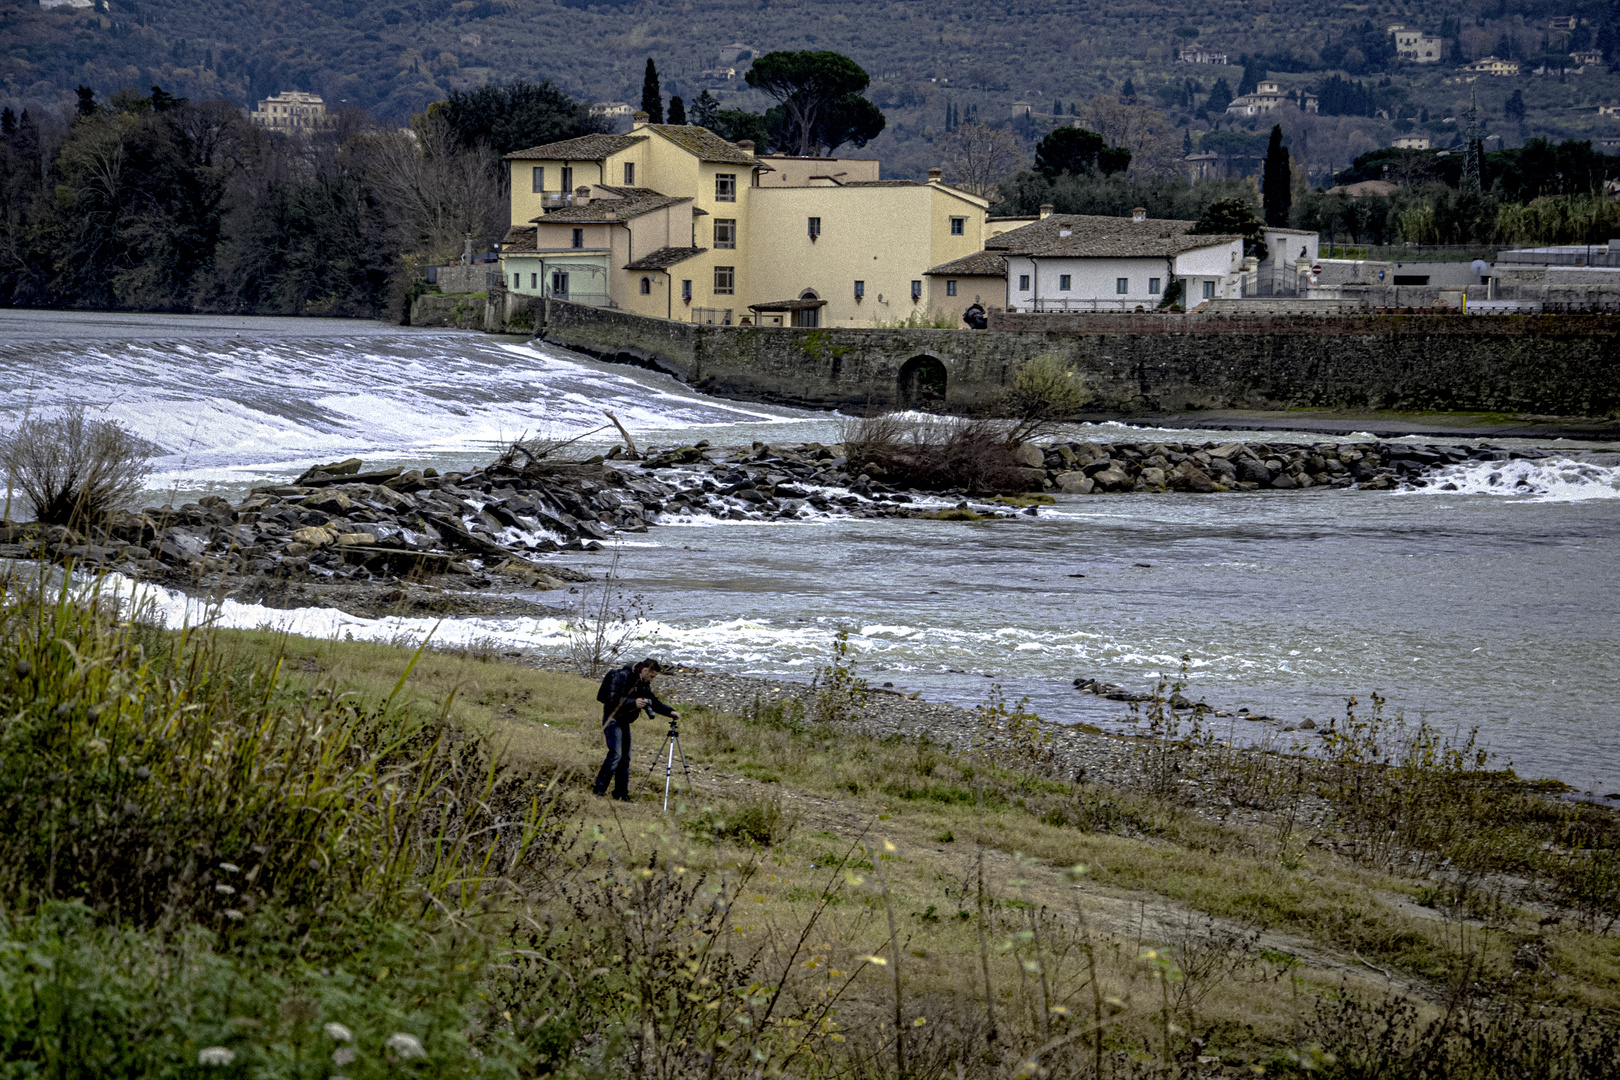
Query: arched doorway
x,y
808,316
921,384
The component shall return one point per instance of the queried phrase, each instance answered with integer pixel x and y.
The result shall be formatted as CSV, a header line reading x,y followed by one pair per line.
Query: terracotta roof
x,y
1096,237
519,238
664,258
584,148
630,203
702,142
979,264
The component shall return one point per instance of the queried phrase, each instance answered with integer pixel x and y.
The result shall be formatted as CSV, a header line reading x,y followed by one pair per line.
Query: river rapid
x,y
1492,604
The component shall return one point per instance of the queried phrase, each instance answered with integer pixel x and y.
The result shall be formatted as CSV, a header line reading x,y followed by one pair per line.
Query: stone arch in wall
x,y
921,384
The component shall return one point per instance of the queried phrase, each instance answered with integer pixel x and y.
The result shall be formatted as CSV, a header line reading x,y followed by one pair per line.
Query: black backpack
x,y
604,692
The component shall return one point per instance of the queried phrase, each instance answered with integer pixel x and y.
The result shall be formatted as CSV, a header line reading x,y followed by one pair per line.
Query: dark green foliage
x,y
704,110
1079,152
677,111
513,116
1220,96
1513,108
1114,195
1277,181
821,104
1234,217
652,99
734,124
1338,96
87,101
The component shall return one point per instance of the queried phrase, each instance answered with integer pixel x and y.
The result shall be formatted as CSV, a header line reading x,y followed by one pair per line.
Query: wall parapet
x,y
1553,365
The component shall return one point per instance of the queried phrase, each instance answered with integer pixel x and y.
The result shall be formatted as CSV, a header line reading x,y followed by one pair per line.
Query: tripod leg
x,y
648,778
669,769
684,769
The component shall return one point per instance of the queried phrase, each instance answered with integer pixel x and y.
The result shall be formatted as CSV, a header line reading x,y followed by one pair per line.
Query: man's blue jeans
x,y
616,766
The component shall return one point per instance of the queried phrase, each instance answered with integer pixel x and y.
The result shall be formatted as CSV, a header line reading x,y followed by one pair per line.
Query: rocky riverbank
x,y
419,543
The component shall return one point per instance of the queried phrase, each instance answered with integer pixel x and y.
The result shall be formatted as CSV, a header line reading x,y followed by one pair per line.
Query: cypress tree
x,y
652,100
1277,181
8,121
87,101
677,111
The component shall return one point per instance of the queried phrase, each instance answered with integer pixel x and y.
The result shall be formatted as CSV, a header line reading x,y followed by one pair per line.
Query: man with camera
x,y
625,693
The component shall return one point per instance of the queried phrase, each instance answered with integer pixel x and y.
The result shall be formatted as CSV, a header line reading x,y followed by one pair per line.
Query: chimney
x,y
1046,210
638,119
746,146
934,175
582,195
1138,213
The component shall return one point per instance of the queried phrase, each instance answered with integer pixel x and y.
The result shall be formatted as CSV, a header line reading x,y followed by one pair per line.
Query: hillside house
x,y
672,221
1417,47
290,111
1081,262
1193,54
1269,94
1491,65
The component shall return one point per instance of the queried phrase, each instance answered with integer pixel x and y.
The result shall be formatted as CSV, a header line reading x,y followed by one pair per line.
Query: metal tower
x,y
1474,144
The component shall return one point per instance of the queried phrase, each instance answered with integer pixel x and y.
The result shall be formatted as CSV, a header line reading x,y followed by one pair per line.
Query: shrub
x,y
1043,392
934,453
73,470
758,821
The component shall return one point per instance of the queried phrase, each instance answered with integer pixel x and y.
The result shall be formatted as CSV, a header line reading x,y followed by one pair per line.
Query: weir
x,y
1552,365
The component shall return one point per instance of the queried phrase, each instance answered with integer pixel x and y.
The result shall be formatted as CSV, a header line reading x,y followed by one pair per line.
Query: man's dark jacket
x,y
624,687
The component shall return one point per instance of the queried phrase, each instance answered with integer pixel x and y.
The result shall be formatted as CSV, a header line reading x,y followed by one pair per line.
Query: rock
x,y
338,468
1030,456
1189,477
1034,479
313,536
1283,481
1153,478
380,477
1075,483
333,503
356,539
1307,725
1112,478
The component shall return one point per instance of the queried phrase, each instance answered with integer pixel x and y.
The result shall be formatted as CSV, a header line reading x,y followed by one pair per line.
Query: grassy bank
x,y
247,854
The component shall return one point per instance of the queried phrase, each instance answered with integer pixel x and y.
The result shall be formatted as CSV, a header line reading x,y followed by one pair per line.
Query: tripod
x,y
669,751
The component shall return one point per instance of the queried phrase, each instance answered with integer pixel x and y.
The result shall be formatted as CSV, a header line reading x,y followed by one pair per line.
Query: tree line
x,y
157,203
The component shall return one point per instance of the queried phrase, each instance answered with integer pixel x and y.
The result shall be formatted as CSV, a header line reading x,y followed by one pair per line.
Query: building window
x,y
814,227
1153,286
516,279
725,187
629,174
950,288
579,238
1023,283
686,290
725,280
646,286
539,177
559,283
1065,282
1122,285
534,281
725,232
1209,290
567,181
958,226
916,291
860,289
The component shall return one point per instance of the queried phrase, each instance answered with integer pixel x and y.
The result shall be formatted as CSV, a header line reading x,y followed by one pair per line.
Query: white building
x,y
290,110
1268,94
1413,142
1077,262
1417,47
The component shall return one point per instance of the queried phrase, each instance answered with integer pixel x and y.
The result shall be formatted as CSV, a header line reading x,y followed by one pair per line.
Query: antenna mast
x,y
1474,142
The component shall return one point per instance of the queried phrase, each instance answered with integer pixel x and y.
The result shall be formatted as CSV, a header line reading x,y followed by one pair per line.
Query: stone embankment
x,y
462,544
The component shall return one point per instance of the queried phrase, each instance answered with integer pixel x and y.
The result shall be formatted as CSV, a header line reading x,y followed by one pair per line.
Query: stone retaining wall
x,y
1547,365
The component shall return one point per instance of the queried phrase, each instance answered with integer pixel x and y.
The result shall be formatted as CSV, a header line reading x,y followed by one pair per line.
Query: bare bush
x,y
934,453
604,627
73,470
1043,392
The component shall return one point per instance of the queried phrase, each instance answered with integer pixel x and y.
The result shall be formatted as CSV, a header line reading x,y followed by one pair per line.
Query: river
x,y
1490,605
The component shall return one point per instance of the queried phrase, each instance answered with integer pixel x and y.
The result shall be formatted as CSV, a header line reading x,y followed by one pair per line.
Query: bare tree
x,y
981,156
72,469
445,191
1144,131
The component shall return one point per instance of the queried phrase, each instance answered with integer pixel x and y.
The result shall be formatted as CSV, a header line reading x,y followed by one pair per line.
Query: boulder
x,y
1283,481
1152,477
1030,456
1112,478
338,468
1034,479
1189,477
333,503
1075,483
313,536
356,539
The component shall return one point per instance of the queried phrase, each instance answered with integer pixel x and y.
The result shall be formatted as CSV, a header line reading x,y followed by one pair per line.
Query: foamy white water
x,y
1487,603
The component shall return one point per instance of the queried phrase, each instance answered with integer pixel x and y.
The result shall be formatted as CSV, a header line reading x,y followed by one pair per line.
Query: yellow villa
x,y
674,222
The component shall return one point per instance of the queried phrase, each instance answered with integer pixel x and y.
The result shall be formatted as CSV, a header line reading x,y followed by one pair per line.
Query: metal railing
x,y
1597,255
710,316
1076,305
